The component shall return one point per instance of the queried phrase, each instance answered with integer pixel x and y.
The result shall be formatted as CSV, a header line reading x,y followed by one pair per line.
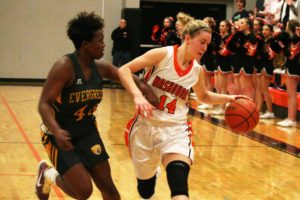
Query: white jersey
x,y
172,86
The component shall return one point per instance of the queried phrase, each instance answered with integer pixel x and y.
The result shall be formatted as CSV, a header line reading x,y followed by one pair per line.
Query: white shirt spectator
x,y
293,13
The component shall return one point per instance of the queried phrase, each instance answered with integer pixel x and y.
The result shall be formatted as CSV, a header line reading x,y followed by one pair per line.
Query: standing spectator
x,y
241,11
121,44
271,11
288,11
259,8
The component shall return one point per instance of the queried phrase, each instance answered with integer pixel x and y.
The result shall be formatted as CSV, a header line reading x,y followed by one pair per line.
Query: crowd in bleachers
x,y
245,50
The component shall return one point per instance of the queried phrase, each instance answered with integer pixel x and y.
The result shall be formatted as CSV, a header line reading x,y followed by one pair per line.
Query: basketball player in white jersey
x,y
162,133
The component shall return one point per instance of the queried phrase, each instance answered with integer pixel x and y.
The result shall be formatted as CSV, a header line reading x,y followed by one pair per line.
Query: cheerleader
x,y
291,51
208,61
244,44
224,67
265,73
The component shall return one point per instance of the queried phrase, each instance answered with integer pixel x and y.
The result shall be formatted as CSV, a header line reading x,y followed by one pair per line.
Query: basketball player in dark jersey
x,y
70,96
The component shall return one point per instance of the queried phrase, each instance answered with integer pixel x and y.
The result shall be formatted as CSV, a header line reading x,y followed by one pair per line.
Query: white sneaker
x,y
287,123
205,107
218,111
267,115
282,121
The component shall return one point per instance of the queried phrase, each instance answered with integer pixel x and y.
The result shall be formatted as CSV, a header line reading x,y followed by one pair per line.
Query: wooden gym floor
x,y
262,165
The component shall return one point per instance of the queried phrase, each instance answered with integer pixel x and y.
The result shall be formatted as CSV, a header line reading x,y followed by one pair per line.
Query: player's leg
x,y
177,157
101,175
71,176
144,159
177,167
92,152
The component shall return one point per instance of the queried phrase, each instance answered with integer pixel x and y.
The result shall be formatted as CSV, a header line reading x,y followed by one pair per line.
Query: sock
x,y
51,174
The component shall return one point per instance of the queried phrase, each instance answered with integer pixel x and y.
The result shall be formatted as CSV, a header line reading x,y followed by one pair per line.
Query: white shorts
x,y
147,145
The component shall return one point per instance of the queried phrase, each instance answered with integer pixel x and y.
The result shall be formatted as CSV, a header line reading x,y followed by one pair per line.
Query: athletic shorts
x,y
88,150
148,144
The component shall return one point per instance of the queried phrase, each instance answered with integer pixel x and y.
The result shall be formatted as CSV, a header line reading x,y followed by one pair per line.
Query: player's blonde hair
x,y
194,27
184,18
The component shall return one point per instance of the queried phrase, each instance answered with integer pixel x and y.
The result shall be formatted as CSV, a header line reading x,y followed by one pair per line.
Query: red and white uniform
x,y
172,86
167,131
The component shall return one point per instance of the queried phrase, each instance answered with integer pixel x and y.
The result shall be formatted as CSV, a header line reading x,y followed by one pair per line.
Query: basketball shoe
x,y
43,184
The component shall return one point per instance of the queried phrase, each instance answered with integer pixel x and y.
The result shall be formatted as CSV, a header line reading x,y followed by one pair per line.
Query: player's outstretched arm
x,y
109,71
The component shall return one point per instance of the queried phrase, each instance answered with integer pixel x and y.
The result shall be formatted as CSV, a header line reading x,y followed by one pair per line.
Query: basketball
x,y
241,115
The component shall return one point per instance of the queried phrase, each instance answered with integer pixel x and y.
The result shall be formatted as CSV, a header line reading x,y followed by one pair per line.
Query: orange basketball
x,y
241,115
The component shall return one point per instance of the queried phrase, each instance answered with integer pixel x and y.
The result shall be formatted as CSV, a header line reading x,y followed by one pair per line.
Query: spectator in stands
x,y
271,11
241,11
288,11
259,8
292,53
121,44
251,14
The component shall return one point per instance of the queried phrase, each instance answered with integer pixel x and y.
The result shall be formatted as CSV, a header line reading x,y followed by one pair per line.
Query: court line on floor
x,y
259,137
27,140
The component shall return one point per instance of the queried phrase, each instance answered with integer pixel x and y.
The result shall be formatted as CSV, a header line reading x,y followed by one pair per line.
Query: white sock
x,y
51,174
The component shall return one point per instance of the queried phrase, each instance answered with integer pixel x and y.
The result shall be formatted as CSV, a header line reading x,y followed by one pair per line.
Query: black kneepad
x,y
146,187
177,175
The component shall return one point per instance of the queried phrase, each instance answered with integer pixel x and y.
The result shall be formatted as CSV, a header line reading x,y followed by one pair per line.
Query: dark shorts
x,y
89,150
224,64
293,67
248,69
267,69
209,68
225,68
